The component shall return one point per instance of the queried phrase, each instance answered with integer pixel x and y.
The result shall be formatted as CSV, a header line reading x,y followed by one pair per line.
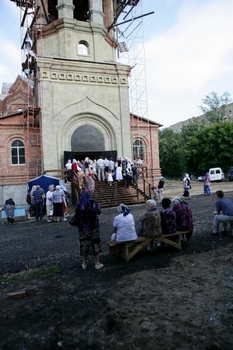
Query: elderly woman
x,y
87,212
124,225
10,209
184,217
168,218
150,222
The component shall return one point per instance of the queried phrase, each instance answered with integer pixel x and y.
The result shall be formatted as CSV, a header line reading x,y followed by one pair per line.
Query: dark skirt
x,y
57,209
89,242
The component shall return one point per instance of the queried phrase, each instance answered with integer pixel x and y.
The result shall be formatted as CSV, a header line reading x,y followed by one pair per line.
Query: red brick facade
x,y
19,122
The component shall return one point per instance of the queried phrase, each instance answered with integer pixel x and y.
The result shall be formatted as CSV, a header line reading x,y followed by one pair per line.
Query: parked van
x,y
216,174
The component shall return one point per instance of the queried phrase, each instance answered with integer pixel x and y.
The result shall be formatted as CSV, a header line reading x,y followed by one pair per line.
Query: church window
x,y
81,10
52,10
138,149
17,152
83,48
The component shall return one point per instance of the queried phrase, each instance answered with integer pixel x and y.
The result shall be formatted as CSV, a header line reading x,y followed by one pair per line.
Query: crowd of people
x,y
176,214
53,203
87,171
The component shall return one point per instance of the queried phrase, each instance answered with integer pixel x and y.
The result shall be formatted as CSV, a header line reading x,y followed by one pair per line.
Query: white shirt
x,y
49,198
125,227
100,162
111,165
106,162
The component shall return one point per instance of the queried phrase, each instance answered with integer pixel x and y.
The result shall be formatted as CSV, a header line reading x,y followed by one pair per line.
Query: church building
x,y
74,99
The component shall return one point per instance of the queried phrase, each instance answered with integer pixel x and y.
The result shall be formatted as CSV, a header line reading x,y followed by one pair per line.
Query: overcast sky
x,y
188,53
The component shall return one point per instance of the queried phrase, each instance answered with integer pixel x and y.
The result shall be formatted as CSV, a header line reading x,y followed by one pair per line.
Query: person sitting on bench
x,y
168,217
124,225
184,216
150,223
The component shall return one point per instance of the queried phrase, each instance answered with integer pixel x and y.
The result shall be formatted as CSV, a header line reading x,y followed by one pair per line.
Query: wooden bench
x,y
18,212
127,250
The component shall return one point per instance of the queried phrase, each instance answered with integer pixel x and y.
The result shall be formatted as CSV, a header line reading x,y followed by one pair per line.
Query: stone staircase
x,y
111,196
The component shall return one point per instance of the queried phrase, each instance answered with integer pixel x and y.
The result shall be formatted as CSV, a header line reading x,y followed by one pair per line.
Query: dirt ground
x,y
166,299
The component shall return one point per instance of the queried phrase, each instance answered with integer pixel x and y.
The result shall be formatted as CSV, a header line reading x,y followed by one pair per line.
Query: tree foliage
x,y
201,144
214,106
209,147
171,156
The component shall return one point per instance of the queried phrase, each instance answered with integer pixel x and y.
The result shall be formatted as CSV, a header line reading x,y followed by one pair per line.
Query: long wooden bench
x,y
127,250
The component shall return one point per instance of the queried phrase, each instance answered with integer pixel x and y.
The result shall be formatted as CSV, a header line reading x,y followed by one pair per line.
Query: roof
x,y
145,119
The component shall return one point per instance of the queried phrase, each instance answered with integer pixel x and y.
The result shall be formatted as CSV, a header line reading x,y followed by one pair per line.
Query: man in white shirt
x,y
111,165
100,169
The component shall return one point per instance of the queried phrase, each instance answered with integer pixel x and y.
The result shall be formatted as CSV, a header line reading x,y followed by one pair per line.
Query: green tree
x,y
214,106
210,146
171,154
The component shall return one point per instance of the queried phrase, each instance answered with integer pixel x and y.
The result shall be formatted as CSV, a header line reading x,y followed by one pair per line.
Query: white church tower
x,y
82,89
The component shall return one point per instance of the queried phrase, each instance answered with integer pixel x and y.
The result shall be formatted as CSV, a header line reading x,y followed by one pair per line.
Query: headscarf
x,y
178,199
85,196
63,188
123,209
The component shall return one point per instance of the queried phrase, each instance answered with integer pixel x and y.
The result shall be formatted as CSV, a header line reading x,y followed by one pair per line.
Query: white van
x,y
216,174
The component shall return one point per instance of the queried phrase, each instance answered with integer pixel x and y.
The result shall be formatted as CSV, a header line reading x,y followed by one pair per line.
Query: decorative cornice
x,y
83,78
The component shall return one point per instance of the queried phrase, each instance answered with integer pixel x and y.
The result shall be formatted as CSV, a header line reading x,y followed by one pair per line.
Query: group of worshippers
x,y
54,201
88,171
154,223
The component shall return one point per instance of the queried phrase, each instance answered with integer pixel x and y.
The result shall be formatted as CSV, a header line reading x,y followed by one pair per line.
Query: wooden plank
x,y
17,295
139,247
170,242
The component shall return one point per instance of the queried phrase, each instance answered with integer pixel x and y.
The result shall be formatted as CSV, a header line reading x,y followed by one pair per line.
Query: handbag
x,y
74,220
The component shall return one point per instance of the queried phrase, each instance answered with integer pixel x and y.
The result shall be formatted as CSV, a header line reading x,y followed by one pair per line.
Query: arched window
x,y
17,152
138,149
83,48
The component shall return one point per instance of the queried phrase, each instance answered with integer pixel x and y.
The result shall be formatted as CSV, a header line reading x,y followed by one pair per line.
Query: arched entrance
x,y
88,141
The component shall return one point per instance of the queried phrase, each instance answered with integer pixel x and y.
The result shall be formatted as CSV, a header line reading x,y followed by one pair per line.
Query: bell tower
x,y
80,84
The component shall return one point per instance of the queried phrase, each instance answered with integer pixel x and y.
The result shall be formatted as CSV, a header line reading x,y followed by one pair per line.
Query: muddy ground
x,y
166,299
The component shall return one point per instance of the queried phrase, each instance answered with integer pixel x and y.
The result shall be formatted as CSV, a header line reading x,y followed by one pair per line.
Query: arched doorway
x,y
88,141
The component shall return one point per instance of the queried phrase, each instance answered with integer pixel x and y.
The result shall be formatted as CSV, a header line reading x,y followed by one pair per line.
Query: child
x,y
110,177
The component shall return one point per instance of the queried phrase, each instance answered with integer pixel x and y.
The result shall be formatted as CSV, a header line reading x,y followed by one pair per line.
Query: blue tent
x,y
44,181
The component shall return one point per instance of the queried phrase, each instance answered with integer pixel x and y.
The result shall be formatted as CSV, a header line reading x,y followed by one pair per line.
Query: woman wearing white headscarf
x,y
150,221
187,187
124,225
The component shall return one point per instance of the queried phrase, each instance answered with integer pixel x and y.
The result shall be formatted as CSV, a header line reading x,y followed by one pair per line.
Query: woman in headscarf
x,y
124,225
187,187
207,189
81,178
150,221
184,217
87,212
10,210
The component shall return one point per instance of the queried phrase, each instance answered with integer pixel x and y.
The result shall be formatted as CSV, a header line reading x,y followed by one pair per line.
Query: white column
x,y
65,9
96,11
